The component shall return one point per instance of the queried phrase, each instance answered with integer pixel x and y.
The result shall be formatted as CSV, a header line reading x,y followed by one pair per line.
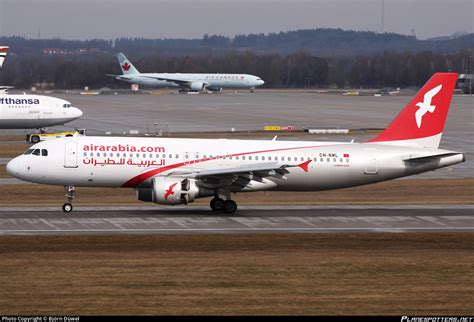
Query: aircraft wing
x,y
119,76
179,82
242,175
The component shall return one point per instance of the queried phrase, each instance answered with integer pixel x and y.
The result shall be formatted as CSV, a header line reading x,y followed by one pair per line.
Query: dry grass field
x,y
399,274
411,192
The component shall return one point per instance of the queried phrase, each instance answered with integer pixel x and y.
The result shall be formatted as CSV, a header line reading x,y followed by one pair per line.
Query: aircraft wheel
x,y
35,139
67,207
230,206
217,204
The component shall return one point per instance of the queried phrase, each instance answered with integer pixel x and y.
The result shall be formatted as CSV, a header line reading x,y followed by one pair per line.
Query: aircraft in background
x,y
178,171
3,54
185,81
35,111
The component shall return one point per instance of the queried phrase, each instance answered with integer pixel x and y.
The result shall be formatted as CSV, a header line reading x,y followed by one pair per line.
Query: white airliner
x,y
185,81
35,111
178,171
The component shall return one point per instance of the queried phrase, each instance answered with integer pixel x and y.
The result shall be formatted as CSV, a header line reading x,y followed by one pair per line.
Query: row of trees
x,y
323,42
293,70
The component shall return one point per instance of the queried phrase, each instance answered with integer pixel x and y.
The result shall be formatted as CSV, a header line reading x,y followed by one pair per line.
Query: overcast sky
x,y
87,19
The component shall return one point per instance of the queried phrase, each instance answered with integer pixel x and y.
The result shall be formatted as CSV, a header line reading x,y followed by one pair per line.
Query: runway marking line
x,y
235,229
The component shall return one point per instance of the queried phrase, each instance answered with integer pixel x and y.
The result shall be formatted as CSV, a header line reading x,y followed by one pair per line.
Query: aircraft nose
x,y
14,167
76,113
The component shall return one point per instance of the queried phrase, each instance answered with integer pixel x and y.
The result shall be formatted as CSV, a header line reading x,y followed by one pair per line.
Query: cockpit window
x,y
44,152
29,151
67,105
36,152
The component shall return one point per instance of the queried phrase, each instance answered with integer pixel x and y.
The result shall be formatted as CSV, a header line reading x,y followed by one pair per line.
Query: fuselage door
x,y
46,108
70,155
371,166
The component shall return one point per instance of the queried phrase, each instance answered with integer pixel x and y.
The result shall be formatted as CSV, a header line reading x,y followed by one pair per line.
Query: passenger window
x,y
36,152
44,152
263,158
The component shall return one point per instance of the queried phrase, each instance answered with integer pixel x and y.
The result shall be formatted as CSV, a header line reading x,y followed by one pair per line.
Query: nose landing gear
x,y
67,207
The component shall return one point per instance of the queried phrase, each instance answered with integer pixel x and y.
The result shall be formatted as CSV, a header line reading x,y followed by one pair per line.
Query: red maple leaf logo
x,y
170,191
126,66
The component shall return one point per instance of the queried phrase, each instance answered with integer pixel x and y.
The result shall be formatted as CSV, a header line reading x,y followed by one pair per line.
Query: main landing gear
x,y
227,206
67,207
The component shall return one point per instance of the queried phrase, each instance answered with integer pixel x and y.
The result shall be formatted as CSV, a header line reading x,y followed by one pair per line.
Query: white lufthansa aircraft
x,y
185,81
178,171
35,111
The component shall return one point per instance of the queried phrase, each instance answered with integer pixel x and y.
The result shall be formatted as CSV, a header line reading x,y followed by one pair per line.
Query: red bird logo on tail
x,y
170,191
126,66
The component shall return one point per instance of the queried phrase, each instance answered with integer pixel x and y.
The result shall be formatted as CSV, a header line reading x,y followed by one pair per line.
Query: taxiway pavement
x,y
249,219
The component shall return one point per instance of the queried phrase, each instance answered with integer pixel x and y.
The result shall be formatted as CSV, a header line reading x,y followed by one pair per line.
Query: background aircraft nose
x,y
75,112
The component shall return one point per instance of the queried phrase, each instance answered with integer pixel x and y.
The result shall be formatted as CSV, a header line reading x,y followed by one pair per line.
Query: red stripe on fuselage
x,y
139,179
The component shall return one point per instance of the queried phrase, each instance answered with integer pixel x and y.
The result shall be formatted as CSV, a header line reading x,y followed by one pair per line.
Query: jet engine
x,y
198,86
173,191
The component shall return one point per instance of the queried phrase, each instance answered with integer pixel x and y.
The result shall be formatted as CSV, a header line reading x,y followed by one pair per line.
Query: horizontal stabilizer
x,y
427,158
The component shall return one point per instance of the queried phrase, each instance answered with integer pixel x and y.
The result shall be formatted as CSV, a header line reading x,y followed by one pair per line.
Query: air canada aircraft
x,y
185,81
35,111
178,171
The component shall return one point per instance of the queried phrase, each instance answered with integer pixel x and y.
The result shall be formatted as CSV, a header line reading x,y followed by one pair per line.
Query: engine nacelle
x,y
173,191
198,86
215,89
